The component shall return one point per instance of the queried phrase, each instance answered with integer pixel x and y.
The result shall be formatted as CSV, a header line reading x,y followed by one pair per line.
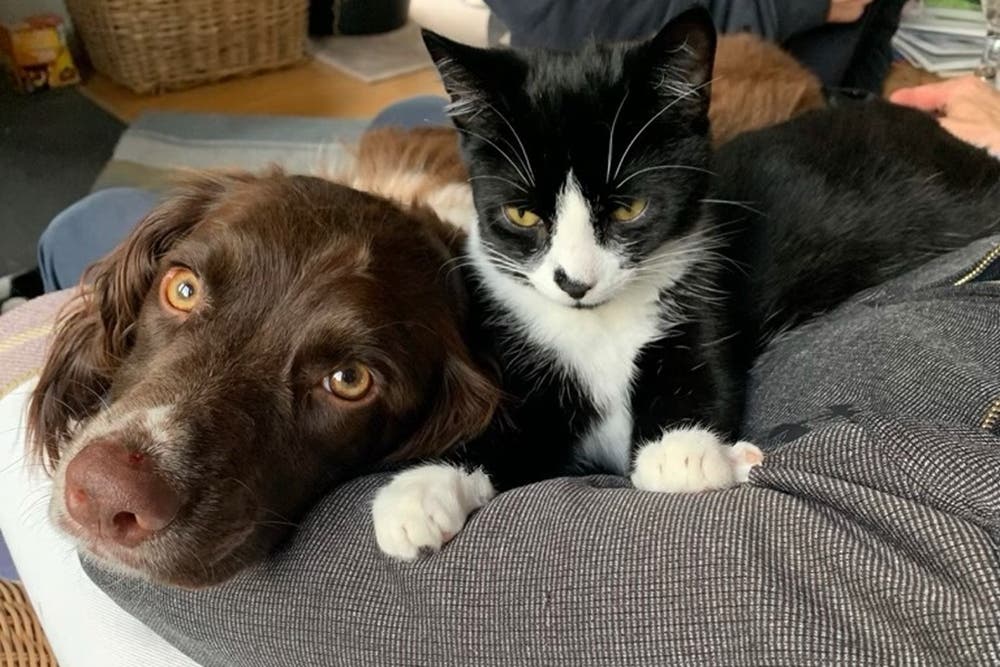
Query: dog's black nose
x,y
575,289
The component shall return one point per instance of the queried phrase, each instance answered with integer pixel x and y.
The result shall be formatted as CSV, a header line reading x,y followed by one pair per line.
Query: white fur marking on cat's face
x,y
598,346
575,251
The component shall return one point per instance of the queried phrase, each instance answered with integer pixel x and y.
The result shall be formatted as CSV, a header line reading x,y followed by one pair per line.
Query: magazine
x,y
942,36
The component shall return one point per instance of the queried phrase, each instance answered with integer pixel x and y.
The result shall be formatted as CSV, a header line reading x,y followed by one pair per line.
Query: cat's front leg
x,y
424,507
691,459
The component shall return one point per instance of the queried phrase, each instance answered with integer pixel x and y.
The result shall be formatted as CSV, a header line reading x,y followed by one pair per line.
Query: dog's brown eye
x,y
350,382
181,289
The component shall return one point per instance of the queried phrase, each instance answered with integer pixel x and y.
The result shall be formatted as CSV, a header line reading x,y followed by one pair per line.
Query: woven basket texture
x,y
22,642
156,45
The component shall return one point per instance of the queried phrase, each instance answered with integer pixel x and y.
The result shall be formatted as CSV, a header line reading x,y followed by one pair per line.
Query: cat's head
x,y
587,168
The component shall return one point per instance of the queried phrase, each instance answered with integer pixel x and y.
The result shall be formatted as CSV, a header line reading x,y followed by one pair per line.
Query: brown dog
x,y
755,84
253,341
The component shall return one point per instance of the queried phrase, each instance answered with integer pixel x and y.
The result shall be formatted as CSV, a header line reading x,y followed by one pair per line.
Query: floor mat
x,y
53,144
374,57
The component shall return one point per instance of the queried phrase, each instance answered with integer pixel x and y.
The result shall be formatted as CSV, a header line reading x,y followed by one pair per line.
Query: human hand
x,y
846,11
967,107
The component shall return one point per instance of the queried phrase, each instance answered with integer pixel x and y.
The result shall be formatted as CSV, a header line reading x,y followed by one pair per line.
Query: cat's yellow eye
x,y
180,290
630,211
521,216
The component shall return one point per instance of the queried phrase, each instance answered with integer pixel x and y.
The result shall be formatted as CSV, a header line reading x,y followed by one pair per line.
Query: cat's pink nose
x,y
116,494
574,288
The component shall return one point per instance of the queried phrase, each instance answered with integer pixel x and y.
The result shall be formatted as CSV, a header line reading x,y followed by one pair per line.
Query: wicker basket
x,y
155,45
22,642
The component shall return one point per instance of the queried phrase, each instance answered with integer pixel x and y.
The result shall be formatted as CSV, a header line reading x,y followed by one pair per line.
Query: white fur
x,y
688,460
575,250
453,204
597,346
424,507
157,421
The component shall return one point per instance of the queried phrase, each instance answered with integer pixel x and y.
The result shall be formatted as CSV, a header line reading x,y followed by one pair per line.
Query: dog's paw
x,y
686,460
425,507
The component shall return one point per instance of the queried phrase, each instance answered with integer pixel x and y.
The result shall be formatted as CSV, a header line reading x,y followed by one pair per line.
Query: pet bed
x,y
869,536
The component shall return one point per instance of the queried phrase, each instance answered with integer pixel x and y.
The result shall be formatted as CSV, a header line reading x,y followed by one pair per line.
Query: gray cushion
x,y
870,535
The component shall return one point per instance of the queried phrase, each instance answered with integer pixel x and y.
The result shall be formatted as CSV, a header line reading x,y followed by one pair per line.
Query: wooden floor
x,y
315,89
310,89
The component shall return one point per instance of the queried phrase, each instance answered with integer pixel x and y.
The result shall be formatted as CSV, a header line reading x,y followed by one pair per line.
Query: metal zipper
x,y
992,417
980,266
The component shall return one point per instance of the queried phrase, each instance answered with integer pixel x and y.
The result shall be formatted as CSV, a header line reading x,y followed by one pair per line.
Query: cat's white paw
x,y
425,507
687,460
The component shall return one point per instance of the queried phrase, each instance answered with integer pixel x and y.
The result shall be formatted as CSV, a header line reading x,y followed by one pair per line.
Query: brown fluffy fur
x,y
298,272
757,84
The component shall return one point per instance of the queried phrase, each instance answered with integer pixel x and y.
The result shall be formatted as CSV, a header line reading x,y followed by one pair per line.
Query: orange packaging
x,y
35,53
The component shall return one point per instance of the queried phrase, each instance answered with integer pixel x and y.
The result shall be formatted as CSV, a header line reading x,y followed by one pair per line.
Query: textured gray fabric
x,y
868,537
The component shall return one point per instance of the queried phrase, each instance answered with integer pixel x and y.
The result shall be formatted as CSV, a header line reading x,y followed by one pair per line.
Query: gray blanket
x,y
869,536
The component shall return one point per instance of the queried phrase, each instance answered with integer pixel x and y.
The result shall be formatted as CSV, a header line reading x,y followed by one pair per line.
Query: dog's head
x,y
254,341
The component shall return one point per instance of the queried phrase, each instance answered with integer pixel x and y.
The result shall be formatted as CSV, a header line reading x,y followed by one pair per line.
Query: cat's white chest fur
x,y
596,347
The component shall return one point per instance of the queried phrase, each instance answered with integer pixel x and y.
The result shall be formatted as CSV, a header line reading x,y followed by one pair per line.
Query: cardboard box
x,y
35,53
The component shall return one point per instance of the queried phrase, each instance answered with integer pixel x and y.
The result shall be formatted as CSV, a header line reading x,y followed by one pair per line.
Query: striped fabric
x,y
157,144
24,335
870,535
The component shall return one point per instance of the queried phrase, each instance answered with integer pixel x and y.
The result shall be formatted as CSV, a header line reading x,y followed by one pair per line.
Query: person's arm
x,y
775,20
846,11
967,107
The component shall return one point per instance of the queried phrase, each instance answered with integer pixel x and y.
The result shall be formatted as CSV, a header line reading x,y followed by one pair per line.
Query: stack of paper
x,y
942,36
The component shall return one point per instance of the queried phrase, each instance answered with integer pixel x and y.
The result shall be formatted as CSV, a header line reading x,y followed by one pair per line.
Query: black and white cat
x,y
624,289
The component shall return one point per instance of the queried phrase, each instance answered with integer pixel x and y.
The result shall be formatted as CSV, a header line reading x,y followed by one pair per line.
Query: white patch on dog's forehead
x,y
158,422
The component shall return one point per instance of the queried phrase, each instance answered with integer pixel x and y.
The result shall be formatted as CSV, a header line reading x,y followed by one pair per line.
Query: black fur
x,y
562,107
818,209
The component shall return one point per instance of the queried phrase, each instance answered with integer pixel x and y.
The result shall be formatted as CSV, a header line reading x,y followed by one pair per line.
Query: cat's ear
x,y
678,61
471,76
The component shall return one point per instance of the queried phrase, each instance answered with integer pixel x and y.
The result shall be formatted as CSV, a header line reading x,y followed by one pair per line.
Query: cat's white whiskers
x,y
611,137
659,113
498,178
502,152
738,204
505,263
502,260
673,254
524,152
455,264
663,166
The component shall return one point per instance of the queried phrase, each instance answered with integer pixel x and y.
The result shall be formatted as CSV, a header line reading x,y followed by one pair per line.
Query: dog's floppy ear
x,y
95,329
462,409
